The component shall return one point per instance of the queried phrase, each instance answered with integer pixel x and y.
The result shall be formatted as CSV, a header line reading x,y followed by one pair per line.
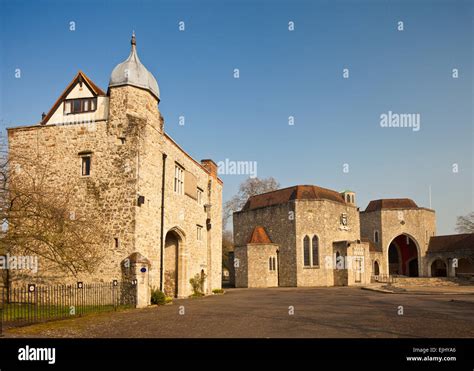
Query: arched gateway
x,y
403,256
172,263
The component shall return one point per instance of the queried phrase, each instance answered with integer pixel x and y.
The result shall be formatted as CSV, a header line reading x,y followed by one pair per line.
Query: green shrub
x,y
168,300
218,291
158,297
197,283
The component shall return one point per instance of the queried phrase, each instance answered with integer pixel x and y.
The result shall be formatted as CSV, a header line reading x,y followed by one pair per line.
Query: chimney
x,y
210,166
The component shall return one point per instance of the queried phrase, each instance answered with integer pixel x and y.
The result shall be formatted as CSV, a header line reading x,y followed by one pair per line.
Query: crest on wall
x,y
344,222
344,219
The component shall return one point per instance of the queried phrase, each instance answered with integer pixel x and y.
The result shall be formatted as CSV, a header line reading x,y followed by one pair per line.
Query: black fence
x,y
32,304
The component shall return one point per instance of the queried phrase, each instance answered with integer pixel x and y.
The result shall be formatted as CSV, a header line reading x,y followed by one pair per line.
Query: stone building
x,y
257,261
451,256
163,209
320,238
313,232
401,230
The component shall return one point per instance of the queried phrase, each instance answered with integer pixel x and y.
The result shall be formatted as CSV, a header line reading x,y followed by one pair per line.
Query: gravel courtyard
x,y
280,312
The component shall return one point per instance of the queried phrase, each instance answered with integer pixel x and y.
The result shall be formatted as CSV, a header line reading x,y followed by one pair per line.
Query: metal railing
x,y
32,304
383,278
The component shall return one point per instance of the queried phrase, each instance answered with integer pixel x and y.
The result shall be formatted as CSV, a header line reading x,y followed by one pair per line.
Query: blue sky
x,y
282,74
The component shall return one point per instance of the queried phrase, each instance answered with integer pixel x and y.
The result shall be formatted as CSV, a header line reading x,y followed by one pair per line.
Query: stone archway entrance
x,y
172,246
439,268
403,256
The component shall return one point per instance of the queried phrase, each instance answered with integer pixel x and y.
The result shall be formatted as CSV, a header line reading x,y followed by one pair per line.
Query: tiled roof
x,y
451,242
391,203
299,192
259,236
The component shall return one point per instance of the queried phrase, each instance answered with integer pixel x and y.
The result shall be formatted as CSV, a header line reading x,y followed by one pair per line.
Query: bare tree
x,y
250,187
39,218
465,224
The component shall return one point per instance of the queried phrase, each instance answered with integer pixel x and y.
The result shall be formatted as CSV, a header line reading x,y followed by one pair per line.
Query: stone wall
x,y
240,261
279,223
127,162
287,225
419,224
323,219
108,191
259,273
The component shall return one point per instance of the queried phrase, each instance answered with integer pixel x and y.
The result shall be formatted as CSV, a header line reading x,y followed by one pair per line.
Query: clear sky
x,y
282,73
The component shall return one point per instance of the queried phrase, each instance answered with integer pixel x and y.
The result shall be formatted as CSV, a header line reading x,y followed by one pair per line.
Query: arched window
x,y
315,250
348,198
376,236
306,258
376,268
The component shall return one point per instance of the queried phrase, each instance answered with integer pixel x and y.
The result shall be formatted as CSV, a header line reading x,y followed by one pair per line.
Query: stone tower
x,y
133,91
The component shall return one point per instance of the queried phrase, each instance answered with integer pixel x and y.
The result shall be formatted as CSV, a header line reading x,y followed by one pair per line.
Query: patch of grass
x,y
69,324
17,312
218,291
196,295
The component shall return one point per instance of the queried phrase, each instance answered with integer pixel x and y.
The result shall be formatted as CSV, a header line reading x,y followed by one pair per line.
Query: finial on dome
x,y
132,72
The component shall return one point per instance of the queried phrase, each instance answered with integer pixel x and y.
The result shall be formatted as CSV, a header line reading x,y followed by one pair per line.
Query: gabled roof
x,y
259,236
298,192
80,77
451,242
391,203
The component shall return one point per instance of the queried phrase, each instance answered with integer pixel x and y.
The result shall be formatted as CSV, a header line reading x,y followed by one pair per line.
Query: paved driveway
x,y
280,312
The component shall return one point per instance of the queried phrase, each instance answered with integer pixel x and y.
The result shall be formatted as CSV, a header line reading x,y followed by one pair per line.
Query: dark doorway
x,y
413,268
438,268
171,264
403,257
376,268
394,260
203,281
